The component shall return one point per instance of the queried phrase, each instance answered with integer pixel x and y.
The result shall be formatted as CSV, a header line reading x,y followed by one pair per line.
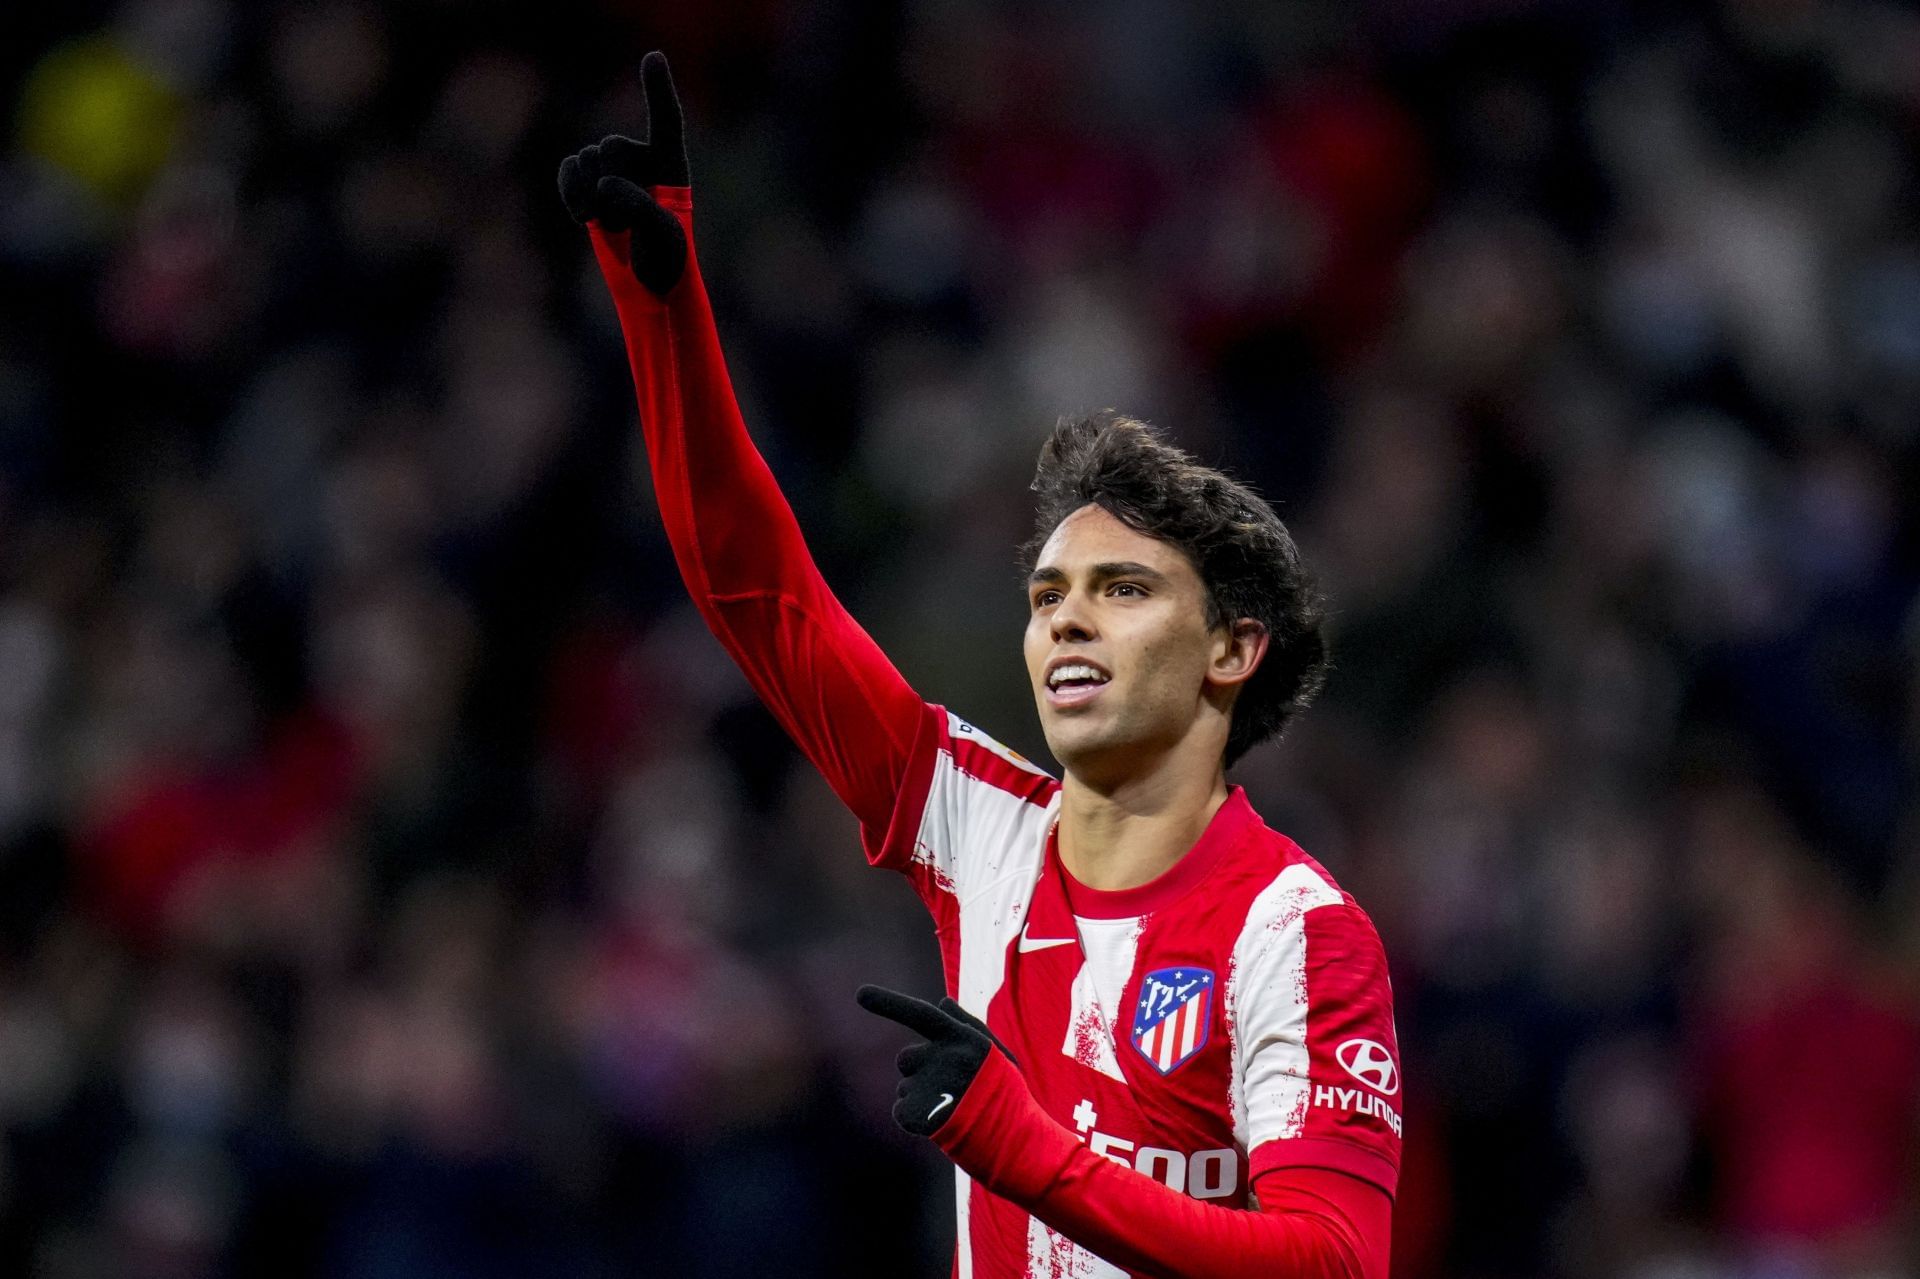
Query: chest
x,y
1120,1027
1128,1016
1160,1006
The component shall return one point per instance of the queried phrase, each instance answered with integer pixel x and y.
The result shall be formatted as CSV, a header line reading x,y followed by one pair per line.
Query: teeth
x,y
1076,670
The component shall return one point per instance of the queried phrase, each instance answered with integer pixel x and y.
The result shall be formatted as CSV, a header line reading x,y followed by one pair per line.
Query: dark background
x,y
395,880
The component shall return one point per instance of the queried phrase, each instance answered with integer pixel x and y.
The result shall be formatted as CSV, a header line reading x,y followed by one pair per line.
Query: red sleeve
x,y
1355,1212
1314,1223
740,550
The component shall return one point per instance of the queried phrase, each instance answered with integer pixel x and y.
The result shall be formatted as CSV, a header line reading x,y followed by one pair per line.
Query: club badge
x,y
1170,1022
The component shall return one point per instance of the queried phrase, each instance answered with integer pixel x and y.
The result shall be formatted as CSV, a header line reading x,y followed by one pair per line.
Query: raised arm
x,y
734,537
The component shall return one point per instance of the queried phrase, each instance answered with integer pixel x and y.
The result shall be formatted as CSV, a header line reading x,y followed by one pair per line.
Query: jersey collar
x,y
1234,819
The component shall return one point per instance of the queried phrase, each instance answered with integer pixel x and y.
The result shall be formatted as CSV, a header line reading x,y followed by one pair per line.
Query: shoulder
x,y
974,756
1291,882
1300,917
978,811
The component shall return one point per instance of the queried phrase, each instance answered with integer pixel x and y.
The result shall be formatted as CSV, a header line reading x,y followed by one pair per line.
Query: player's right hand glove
x,y
934,1075
612,181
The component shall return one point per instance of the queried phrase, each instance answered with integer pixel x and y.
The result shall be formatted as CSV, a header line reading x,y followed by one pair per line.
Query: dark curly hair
x,y
1245,557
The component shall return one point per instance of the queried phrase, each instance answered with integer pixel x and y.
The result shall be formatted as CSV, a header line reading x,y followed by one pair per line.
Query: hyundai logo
x,y
1371,1064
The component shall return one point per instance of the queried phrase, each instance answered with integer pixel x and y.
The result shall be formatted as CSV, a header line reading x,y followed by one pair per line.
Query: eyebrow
x,y
1103,572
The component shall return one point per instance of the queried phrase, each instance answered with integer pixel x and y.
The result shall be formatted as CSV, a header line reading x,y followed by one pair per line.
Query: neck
x,y
1130,832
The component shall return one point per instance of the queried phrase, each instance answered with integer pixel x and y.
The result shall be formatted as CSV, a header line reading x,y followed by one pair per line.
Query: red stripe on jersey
x,y
982,762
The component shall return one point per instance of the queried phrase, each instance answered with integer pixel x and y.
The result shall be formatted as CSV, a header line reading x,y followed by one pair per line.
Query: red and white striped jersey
x,y
1231,1017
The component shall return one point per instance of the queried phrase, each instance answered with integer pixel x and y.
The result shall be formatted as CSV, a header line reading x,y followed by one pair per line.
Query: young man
x,y
1159,1013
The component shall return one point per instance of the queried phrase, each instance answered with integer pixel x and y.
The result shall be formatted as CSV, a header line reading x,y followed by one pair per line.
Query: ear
x,y
1238,650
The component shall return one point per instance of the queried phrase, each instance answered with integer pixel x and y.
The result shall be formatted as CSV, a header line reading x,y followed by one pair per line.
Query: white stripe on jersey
x,y
1110,949
984,846
1003,833
1055,1256
963,1251
1190,1030
1268,1083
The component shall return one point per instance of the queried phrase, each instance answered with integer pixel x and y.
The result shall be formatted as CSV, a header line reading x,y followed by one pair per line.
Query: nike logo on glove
x,y
1041,943
946,1099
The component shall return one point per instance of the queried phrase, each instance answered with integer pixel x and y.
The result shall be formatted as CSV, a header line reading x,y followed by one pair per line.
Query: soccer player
x,y
1167,1043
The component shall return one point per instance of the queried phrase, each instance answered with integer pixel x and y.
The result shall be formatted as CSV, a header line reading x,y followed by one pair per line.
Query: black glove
x,y
935,1074
609,183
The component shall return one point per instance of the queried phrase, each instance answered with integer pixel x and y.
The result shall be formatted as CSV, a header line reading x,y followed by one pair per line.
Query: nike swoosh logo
x,y
946,1099
1041,943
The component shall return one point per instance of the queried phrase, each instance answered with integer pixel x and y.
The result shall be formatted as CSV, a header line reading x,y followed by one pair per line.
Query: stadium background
x,y
396,880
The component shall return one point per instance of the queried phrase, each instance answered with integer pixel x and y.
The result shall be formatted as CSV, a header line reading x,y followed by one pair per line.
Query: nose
x,y
1069,620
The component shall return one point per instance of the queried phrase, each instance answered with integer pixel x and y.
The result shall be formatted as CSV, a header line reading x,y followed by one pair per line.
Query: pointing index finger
x,y
915,1014
665,129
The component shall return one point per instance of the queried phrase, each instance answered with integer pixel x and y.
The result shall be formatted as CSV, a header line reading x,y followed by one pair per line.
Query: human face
x,y
1123,664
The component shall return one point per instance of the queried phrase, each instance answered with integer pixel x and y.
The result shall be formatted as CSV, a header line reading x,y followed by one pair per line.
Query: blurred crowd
x,y
395,880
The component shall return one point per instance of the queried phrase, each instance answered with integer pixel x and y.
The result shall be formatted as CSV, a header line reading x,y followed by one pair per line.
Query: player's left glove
x,y
934,1075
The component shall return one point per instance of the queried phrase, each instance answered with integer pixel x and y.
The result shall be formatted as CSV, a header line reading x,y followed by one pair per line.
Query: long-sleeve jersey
x,y
1218,1040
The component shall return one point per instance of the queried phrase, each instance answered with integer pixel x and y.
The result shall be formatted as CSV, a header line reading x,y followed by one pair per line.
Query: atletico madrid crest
x,y
1170,1022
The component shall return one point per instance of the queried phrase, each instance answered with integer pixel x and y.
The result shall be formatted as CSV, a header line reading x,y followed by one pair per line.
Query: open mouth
x,y
1074,683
